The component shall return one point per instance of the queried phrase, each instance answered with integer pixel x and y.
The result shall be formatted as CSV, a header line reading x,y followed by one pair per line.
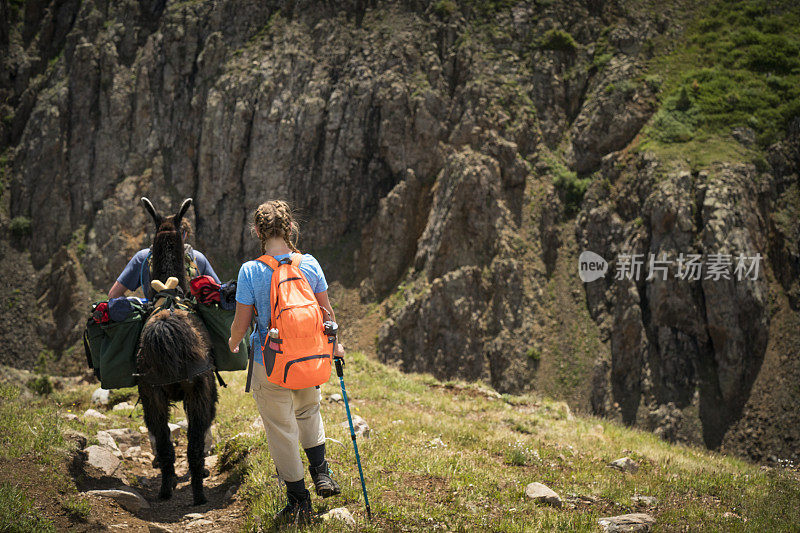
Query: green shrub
x,y
601,60
20,226
77,508
556,39
654,82
40,385
772,57
683,102
671,127
233,452
534,354
445,8
519,455
571,188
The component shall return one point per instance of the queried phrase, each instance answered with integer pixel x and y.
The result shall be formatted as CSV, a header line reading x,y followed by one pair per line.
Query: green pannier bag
x,y
218,323
111,349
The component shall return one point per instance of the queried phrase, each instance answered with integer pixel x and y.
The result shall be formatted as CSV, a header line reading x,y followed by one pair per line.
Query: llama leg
x,y
200,407
156,417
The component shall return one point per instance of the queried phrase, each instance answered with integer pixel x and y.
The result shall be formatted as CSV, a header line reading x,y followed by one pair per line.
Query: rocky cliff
x,y
438,153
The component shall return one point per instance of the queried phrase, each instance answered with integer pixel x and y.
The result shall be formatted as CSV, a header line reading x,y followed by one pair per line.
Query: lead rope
x,y
138,399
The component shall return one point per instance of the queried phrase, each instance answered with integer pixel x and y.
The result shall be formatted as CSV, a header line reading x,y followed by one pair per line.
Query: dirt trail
x,y
223,512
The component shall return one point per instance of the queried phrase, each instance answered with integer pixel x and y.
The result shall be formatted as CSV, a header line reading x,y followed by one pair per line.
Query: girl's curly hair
x,y
275,219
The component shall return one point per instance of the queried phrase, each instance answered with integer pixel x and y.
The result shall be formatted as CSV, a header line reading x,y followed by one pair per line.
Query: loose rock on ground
x,y
625,464
340,513
95,415
541,493
102,458
101,396
360,426
627,523
127,498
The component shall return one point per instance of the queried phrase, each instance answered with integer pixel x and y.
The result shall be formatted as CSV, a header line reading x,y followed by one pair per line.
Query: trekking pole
x,y
340,372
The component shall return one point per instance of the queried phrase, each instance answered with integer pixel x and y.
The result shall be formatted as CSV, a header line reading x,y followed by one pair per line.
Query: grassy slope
x,y
492,447
737,65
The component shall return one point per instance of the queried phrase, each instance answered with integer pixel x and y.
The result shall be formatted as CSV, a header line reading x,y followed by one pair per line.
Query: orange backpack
x,y
300,356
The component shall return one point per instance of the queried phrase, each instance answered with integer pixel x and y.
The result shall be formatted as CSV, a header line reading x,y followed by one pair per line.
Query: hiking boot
x,y
323,484
298,511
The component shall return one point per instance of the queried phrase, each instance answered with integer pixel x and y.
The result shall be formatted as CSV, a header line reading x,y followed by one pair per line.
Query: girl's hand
x,y
339,351
233,347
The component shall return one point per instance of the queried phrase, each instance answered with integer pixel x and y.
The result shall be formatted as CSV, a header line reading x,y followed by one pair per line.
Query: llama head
x,y
167,250
170,224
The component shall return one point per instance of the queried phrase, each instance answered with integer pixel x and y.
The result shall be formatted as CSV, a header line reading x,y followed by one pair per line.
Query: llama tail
x,y
169,345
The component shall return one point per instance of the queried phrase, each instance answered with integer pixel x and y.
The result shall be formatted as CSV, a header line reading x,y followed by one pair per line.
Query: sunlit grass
x,y
450,455
455,455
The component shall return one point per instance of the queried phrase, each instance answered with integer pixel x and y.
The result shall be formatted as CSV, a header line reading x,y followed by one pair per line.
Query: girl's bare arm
x,y
241,321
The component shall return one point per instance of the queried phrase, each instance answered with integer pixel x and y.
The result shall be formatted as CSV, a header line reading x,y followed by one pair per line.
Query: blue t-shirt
x,y
252,288
130,277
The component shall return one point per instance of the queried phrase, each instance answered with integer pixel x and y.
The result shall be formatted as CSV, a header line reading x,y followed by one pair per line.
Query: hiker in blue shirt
x,y
137,273
291,416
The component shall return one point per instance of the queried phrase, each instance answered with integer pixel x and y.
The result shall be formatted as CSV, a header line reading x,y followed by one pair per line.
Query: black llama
x,y
174,361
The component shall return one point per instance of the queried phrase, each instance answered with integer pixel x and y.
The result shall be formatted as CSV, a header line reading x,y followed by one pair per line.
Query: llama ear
x,y
182,211
148,205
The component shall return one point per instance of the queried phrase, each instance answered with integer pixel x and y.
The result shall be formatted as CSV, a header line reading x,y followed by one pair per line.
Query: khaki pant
x,y
291,417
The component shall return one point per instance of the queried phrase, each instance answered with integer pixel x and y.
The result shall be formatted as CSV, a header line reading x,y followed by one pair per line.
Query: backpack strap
x,y
192,270
149,265
296,260
269,261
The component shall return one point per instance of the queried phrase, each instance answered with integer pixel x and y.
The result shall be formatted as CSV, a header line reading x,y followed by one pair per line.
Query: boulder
x,y
340,513
231,492
105,439
209,439
102,458
360,426
132,451
208,444
123,406
101,396
335,397
644,501
125,437
627,523
127,498
625,464
541,493
91,414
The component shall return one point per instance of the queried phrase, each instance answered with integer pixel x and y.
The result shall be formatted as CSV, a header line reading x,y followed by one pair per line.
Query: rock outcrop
x,y
436,153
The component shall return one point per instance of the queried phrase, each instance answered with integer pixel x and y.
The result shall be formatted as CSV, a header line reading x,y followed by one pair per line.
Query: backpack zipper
x,y
302,359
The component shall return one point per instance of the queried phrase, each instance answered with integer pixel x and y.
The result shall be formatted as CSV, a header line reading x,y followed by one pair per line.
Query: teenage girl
x,y
290,416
